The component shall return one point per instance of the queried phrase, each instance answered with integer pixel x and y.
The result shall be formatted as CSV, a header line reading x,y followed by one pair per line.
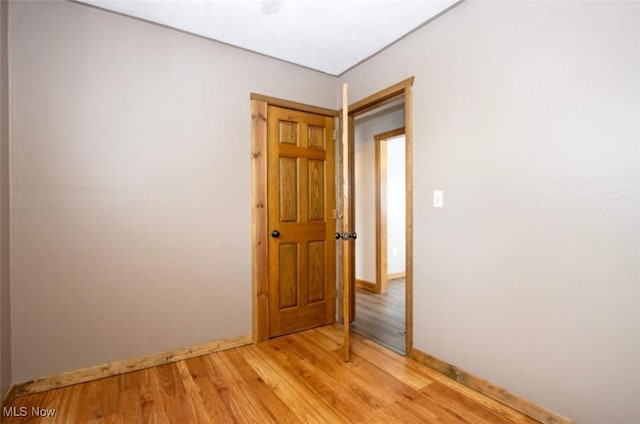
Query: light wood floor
x,y
298,378
381,317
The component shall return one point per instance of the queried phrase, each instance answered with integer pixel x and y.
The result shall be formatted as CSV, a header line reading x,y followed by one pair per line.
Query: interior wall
x,y
131,184
5,304
366,127
396,205
527,115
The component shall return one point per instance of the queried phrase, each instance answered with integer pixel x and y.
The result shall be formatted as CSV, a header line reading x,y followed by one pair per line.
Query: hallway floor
x,y
381,317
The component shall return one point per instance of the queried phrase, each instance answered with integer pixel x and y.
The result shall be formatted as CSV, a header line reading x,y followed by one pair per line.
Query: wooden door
x,y
301,208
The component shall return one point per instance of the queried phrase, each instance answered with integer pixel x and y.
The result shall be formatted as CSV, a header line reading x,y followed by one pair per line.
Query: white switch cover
x,y
438,200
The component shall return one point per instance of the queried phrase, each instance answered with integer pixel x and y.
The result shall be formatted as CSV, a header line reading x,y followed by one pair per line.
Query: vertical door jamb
x,y
408,158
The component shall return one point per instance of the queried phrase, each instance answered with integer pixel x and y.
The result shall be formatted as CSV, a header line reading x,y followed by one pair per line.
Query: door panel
x,y
316,190
288,190
288,132
316,271
301,202
288,275
317,136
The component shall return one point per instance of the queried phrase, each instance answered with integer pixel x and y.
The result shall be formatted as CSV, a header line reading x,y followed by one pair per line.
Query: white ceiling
x,y
327,35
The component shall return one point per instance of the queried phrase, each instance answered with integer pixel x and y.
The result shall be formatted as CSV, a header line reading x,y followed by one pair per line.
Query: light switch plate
x,y
438,199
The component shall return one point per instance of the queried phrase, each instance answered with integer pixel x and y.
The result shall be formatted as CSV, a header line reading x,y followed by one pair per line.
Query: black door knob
x,y
275,233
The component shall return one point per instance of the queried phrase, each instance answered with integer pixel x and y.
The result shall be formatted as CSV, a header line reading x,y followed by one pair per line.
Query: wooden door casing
x,y
301,205
369,103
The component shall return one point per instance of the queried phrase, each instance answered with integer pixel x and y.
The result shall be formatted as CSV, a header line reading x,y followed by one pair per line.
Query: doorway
x,y
390,207
379,171
396,96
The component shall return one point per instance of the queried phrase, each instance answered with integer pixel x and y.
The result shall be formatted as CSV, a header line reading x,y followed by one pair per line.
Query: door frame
x,y
382,269
380,98
259,190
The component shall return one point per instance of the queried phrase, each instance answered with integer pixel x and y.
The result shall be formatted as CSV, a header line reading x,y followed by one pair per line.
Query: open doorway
x,y
380,212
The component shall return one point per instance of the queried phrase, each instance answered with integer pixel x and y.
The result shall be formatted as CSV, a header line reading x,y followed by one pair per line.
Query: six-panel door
x,y
301,203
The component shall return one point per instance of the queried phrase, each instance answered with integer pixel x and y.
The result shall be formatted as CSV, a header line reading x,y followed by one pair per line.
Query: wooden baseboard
x,y
127,365
368,285
395,275
532,410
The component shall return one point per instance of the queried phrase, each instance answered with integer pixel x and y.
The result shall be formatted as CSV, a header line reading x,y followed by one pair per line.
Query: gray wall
x,y
131,184
527,115
365,129
5,304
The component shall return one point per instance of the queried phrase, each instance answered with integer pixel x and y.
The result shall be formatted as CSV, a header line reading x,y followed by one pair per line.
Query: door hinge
x,y
333,134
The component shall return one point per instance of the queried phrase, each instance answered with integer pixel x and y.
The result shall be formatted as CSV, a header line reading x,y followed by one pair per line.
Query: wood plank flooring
x,y
381,317
298,378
